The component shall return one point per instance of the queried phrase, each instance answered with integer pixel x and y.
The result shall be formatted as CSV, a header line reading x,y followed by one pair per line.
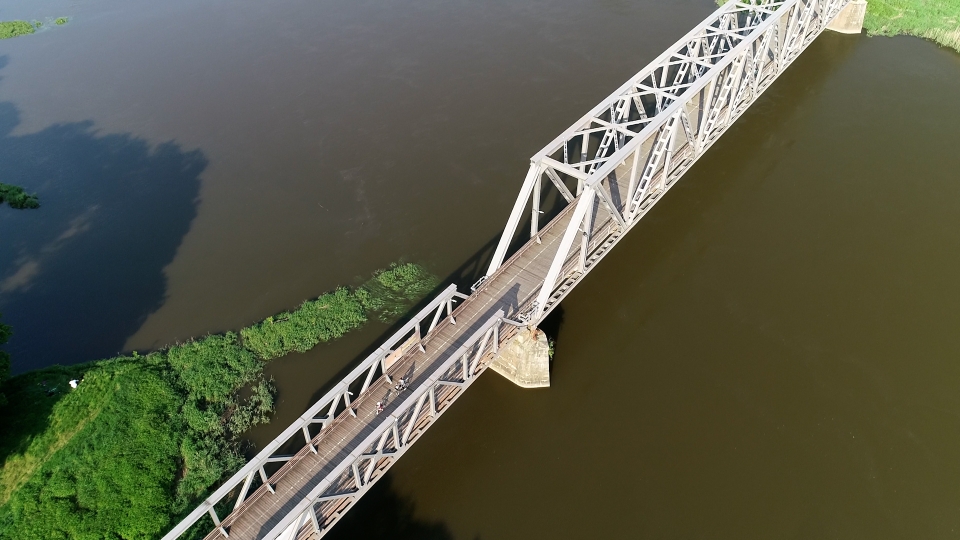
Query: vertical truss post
x,y
533,174
309,439
244,490
216,522
546,289
586,230
535,208
266,482
312,514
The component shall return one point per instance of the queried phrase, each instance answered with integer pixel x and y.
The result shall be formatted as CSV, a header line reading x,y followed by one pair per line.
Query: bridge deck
x,y
509,289
708,94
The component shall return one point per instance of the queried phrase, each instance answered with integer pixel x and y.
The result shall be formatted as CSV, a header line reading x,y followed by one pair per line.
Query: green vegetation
x,y
9,29
323,319
937,20
17,198
142,439
391,292
60,21
388,294
4,360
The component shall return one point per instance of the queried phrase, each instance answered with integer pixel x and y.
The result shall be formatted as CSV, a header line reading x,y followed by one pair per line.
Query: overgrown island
x,y
11,29
17,198
144,438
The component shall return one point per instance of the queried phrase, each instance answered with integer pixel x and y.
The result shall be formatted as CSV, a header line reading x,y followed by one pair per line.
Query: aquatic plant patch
x,y
323,319
17,198
11,29
143,438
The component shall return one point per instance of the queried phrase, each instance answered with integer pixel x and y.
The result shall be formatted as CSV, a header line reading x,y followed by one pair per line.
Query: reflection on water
x,y
81,274
388,515
771,352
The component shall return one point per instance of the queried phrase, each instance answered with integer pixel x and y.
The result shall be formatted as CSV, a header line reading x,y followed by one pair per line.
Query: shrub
x,y
9,29
214,367
391,292
144,438
323,319
16,197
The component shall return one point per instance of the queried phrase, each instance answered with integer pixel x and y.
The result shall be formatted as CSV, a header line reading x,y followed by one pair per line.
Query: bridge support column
x,y
850,18
525,359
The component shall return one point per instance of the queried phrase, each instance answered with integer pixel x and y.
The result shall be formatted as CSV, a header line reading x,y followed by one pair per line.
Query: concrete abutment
x,y
525,359
850,18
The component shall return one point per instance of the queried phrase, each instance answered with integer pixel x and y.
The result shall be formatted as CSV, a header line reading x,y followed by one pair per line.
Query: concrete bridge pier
x,y
525,359
850,18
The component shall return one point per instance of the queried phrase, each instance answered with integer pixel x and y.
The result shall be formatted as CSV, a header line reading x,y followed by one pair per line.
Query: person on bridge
x,y
379,407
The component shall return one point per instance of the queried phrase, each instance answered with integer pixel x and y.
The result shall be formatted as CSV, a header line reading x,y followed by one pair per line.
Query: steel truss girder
x,y
369,460
646,134
238,488
638,142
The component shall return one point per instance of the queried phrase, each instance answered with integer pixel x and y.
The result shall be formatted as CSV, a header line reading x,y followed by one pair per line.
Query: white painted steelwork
x,y
609,168
369,460
630,149
320,414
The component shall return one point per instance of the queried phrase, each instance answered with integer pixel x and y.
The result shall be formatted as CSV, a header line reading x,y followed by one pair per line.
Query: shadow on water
x,y
80,274
463,277
384,514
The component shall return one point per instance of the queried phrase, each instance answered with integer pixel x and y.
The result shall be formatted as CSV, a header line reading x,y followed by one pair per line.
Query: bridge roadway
x,y
591,185
509,289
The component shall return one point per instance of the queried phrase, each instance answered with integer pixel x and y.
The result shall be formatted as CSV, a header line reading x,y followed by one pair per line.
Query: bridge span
x,y
581,194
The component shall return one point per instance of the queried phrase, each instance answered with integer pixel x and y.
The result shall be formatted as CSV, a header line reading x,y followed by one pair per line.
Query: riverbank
x,y
143,438
936,20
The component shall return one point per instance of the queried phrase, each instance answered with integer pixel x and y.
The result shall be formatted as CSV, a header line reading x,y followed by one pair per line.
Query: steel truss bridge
x,y
603,174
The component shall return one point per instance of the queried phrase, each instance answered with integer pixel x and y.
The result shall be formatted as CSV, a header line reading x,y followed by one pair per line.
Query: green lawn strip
x,y
144,438
937,20
11,29
17,198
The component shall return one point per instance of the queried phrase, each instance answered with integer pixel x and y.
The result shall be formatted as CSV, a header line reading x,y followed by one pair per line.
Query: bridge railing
x,y
390,438
255,475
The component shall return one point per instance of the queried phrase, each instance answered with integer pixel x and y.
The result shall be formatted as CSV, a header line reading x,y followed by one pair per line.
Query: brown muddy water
x,y
772,353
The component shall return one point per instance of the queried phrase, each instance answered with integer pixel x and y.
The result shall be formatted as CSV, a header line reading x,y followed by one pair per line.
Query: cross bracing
x,y
616,161
607,170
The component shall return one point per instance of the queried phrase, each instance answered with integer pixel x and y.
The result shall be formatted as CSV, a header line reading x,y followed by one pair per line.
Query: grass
x,y
17,198
11,29
388,294
323,319
936,20
144,438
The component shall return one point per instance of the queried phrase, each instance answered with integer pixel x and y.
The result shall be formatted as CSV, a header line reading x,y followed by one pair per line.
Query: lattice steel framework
x,y
369,460
608,169
234,492
616,162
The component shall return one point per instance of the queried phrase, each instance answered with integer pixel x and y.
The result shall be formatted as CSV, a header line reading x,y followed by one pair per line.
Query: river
x,y
773,352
